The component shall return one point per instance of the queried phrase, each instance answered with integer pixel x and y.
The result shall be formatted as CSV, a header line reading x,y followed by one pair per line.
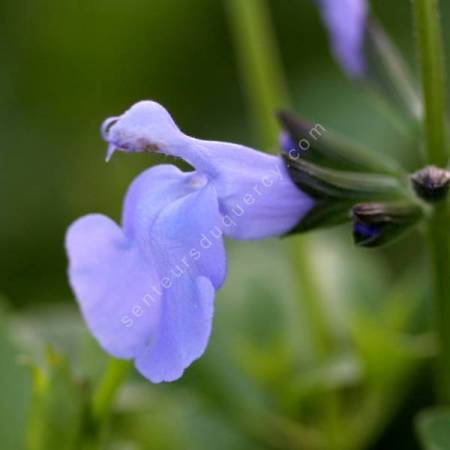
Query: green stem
x,y
260,65
309,291
104,395
440,257
266,90
433,79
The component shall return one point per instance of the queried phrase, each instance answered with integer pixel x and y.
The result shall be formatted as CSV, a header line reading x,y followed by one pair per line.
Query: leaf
x,y
433,427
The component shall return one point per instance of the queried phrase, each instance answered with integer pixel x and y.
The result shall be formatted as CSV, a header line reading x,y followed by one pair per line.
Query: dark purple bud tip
x,y
377,224
368,224
364,232
289,145
431,183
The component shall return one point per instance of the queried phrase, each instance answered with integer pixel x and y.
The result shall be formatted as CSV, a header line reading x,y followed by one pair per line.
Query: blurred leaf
x,y
391,362
57,407
336,374
15,382
62,327
433,427
174,418
267,321
387,354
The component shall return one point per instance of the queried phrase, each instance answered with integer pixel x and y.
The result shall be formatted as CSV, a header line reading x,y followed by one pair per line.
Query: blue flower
x,y
346,22
146,289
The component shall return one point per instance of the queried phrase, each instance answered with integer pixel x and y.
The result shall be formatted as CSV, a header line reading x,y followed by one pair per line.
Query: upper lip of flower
x,y
107,125
234,169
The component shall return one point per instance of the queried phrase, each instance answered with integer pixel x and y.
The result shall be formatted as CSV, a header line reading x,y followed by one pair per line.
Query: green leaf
x,y
433,427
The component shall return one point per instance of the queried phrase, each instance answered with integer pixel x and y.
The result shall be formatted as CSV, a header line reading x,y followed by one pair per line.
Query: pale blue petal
x,y
187,236
151,192
256,195
110,277
189,273
148,127
139,286
185,327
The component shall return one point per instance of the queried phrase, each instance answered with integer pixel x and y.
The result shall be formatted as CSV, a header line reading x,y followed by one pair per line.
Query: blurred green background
x,y
68,65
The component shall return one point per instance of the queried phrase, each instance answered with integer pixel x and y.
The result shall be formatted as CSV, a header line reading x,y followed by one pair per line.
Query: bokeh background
x,y
66,66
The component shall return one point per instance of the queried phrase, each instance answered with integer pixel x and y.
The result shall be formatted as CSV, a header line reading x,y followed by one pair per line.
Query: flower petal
x,y
190,271
187,237
256,195
149,194
147,292
110,277
175,215
185,326
148,127
346,22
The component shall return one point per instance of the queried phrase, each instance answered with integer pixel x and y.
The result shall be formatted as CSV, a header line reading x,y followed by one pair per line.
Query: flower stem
x,y
440,256
433,81
312,301
115,375
260,65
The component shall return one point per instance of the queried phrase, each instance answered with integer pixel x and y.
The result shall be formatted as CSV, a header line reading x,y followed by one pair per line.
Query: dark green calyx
x,y
377,224
335,192
431,183
317,144
327,184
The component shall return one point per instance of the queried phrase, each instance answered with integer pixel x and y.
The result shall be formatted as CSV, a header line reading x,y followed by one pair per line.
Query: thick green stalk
x,y
94,431
311,298
440,255
433,79
266,90
259,62
104,395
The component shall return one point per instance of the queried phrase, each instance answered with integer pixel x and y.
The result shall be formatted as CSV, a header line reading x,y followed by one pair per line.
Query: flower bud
x,y
377,224
431,183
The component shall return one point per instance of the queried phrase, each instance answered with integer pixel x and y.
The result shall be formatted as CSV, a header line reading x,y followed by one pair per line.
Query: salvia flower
x,y
146,289
346,21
